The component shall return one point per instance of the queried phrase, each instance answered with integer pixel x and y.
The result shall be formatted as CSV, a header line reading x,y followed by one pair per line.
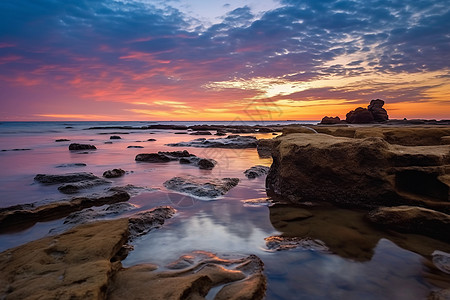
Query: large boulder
x,y
378,112
330,120
359,172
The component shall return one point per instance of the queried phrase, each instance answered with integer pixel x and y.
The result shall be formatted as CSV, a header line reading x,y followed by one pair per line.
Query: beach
x,y
302,231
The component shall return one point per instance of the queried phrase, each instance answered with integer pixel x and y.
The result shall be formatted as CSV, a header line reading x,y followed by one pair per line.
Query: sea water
x,y
228,225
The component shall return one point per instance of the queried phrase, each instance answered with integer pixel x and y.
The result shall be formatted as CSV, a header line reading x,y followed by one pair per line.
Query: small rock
x,y
230,142
138,147
206,164
62,140
115,137
152,157
201,133
441,260
64,178
75,146
278,243
201,186
151,140
330,120
113,173
143,222
71,165
75,187
256,171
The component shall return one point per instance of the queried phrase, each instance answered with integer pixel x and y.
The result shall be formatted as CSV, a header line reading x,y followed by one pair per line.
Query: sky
x,y
222,60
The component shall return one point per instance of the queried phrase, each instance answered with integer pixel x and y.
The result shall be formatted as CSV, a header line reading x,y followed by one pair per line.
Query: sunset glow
x,y
248,60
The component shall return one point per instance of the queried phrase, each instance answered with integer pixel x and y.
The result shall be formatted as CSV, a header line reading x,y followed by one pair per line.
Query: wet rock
x,y
206,164
439,295
75,187
442,261
62,140
75,146
412,219
174,155
364,173
71,165
114,173
221,133
378,112
142,222
256,171
49,179
151,140
152,157
201,186
278,243
17,217
108,143
132,189
77,264
138,147
180,133
115,137
359,116
231,141
241,278
93,214
257,202
201,133
330,120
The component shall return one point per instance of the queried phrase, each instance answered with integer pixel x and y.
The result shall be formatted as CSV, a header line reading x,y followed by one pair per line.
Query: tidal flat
x,y
314,227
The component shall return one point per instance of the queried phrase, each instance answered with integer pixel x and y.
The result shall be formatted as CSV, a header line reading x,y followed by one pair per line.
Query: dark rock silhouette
x,y
373,113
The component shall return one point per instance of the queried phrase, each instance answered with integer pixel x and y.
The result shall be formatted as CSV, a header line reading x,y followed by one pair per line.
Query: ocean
x,y
236,223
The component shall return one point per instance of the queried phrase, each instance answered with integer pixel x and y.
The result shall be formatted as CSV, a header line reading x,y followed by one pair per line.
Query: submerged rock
x,y
202,187
201,133
231,141
75,146
92,214
152,157
71,165
50,179
115,137
62,140
137,147
114,173
142,222
256,171
412,219
184,157
75,187
364,173
278,243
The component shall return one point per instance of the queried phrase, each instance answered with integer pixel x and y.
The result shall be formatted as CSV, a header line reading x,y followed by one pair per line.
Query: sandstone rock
x,y
256,171
50,179
78,264
231,141
359,116
201,186
242,279
412,219
27,216
75,146
362,173
265,147
113,173
75,187
330,120
95,213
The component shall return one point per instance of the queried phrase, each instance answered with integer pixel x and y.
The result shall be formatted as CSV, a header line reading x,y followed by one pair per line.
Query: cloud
x,y
146,51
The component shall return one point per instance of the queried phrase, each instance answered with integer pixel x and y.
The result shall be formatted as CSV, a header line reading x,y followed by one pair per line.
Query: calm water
x,y
362,263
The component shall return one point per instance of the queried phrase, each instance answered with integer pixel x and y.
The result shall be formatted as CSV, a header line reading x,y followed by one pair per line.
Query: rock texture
x,y
78,264
231,141
410,219
364,173
202,187
256,171
26,216
192,277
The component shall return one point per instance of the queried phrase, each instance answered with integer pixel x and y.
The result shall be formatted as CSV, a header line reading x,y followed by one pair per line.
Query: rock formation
x,y
202,187
330,120
373,113
365,172
231,141
75,146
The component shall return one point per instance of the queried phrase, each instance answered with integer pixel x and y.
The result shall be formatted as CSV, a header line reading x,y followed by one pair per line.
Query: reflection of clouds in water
x,y
392,273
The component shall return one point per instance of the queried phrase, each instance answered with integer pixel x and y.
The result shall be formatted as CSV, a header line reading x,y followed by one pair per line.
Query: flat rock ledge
x,y
202,187
231,142
77,264
24,216
411,219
